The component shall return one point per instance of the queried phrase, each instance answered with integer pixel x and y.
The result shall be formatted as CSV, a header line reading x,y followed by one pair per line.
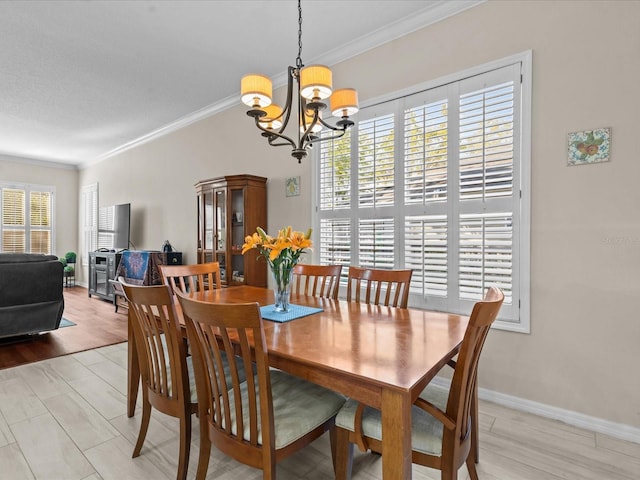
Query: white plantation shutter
x,y
426,253
40,215
486,246
435,184
26,222
486,142
335,242
376,162
425,147
376,242
89,220
335,174
14,220
106,227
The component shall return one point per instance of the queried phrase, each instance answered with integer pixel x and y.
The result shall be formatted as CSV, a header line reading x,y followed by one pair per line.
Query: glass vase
x,y
281,286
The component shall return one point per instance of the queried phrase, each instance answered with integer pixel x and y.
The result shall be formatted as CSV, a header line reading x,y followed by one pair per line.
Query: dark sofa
x,y
31,299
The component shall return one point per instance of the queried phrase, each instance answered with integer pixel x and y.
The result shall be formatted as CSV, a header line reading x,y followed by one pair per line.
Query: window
x,y
27,224
437,180
89,220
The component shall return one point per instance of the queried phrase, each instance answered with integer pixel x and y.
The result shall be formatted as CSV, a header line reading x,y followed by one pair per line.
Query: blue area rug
x,y
66,323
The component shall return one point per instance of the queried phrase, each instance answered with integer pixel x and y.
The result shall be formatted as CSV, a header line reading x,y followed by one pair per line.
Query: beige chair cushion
x,y
426,431
298,407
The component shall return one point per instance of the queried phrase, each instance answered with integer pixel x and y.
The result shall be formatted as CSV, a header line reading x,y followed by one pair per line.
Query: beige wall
x,y
66,197
582,353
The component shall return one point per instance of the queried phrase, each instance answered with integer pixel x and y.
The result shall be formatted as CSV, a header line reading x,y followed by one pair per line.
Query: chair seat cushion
x,y
426,431
298,407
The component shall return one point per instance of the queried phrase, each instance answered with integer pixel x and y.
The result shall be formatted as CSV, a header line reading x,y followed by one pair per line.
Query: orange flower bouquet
x,y
282,254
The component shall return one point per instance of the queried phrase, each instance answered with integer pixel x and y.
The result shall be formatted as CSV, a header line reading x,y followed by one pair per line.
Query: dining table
x,y
381,356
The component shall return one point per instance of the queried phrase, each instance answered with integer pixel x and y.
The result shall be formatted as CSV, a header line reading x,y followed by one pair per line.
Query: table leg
x,y
396,435
133,369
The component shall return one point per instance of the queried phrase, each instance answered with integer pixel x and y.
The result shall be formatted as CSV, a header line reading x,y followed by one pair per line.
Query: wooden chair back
x,y
231,412
316,280
463,384
192,278
456,420
162,358
391,285
238,417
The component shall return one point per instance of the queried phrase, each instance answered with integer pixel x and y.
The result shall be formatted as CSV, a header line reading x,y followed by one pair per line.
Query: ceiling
x,y
82,80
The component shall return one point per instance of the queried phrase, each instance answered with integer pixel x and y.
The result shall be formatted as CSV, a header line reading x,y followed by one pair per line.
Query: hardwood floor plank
x,y
97,325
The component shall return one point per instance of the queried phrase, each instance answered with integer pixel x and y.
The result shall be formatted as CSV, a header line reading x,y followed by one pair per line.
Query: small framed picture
x,y
589,146
292,187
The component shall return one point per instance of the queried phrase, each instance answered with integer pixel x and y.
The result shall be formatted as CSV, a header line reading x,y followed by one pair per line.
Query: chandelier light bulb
x,y
271,120
308,118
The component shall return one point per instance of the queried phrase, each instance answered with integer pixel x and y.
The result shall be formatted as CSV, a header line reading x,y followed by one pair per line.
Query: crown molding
x,y
37,161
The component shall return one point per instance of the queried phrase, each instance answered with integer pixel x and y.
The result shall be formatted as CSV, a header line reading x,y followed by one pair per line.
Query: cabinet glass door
x,y
208,222
237,235
221,230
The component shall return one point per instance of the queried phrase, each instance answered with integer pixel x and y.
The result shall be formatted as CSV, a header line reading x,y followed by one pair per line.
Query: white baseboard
x,y
599,425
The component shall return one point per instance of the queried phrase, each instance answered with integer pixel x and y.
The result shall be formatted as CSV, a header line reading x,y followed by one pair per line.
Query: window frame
x,y
28,189
521,232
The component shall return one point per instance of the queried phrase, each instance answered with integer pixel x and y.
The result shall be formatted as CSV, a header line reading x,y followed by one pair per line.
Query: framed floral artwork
x,y
589,146
292,186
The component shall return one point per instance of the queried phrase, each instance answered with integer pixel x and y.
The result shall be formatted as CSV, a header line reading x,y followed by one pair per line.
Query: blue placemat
x,y
295,311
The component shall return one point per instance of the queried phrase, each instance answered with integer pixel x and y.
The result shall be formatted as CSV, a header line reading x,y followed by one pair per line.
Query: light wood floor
x,y
64,419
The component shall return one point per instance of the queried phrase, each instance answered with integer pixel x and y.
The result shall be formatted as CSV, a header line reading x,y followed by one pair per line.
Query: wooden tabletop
x,y
382,346
381,356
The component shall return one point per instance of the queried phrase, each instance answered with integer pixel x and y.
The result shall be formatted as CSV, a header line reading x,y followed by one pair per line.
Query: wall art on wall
x,y
589,146
292,186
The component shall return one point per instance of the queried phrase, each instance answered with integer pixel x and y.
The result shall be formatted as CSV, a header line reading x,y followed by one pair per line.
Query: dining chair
x,y
191,278
268,417
167,375
316,280
393,285
441,422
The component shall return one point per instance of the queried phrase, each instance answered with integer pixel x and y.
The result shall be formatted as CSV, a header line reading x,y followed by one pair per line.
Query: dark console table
x,y
102,268
139,267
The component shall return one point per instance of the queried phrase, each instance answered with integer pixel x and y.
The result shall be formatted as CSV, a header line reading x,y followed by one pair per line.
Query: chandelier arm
x,y
331,127
272,133
287,107
273,144
311,141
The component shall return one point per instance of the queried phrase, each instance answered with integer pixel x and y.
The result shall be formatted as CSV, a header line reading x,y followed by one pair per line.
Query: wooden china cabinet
x,y
229,209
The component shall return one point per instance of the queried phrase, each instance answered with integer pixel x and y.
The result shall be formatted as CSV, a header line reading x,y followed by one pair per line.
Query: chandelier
x,y
313,84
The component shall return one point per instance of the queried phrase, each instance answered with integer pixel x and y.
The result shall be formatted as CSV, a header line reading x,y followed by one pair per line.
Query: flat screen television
x,y
114,227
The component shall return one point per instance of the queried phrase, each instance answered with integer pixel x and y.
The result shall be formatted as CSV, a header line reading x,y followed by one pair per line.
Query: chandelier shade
x,y
256,90
316,82
307,88
344,102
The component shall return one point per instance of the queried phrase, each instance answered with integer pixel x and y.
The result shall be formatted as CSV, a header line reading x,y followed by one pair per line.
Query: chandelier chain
x,y
299,58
